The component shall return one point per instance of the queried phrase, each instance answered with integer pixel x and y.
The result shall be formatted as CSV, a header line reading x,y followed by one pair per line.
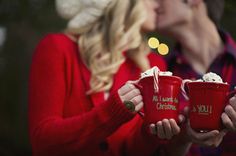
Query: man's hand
x,y
212,138
229,115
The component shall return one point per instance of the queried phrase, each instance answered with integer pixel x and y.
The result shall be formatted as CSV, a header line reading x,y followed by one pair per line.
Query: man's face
x,y
171,14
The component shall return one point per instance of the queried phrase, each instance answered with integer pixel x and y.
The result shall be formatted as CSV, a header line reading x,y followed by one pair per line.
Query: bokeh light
x,y
153,42
163,49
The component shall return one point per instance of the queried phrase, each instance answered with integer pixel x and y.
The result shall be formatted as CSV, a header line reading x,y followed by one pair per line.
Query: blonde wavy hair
x,y
102,44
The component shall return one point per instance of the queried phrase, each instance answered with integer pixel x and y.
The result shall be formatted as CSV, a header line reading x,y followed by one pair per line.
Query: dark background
x,y
25,22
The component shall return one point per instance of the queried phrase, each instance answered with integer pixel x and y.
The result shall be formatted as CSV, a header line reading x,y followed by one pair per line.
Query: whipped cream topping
x,y
153,70
212,77
149,72
165,73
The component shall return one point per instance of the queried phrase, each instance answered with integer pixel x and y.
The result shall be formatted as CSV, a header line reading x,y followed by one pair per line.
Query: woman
x,y
78,89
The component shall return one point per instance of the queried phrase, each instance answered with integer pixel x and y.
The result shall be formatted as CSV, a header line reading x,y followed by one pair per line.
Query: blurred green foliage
x,y
229,19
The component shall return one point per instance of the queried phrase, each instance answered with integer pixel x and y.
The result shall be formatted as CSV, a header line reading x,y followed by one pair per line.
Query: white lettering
x,y
161,106
203,109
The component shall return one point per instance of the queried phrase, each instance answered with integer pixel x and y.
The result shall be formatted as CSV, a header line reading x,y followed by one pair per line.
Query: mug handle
x,y
184,88
231,94
140,113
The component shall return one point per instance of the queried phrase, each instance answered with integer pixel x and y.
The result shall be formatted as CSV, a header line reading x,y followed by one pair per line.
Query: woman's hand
x,y
229,115
167,128
177,145
129,93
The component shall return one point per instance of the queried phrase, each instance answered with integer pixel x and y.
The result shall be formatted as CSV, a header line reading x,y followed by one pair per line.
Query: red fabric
x,y
63,120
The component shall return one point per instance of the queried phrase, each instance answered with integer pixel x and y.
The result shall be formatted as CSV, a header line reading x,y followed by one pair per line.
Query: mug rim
x,y
213,85
175,79
173,76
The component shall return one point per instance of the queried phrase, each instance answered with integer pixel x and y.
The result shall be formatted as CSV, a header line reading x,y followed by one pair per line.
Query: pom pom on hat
x,y
81,13
84,19
68,8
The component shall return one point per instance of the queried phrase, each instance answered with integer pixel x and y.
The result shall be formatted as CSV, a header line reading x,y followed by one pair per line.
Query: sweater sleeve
x,y
50,132
140,142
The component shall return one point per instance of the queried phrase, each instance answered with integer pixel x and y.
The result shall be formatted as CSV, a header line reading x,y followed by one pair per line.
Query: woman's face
x,y
151,7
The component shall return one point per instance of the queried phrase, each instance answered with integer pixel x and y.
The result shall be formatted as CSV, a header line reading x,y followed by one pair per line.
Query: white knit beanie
x,y
81,13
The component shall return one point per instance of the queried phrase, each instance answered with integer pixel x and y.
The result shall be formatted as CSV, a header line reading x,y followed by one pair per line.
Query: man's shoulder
x,y
229,42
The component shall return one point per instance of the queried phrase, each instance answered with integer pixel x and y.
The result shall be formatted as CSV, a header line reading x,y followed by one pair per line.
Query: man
x,y
202,48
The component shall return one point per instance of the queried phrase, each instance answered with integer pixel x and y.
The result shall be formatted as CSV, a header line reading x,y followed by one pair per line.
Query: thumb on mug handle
x,y
135,83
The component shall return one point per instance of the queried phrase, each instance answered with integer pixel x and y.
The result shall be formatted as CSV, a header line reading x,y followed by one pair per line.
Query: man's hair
x,y
215,10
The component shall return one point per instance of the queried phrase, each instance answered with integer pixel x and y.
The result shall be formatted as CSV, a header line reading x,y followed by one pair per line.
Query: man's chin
x,y
165,27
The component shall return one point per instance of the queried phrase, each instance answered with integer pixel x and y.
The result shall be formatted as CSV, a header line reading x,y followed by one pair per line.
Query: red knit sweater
x,y
63,120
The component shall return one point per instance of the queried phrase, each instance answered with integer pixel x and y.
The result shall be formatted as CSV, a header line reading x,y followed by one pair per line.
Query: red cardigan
x,y
63,120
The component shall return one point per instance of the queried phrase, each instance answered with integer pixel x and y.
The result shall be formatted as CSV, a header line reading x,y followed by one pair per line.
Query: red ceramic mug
x,y
162,103
207,102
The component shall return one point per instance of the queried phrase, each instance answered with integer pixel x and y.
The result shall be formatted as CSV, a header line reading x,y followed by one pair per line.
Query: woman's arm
x,y
50,132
